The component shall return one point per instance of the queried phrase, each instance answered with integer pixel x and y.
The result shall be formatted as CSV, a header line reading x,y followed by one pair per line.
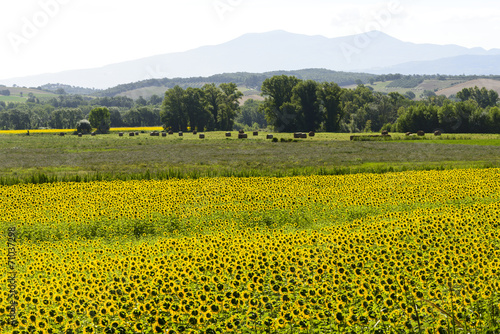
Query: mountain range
x,y
374,52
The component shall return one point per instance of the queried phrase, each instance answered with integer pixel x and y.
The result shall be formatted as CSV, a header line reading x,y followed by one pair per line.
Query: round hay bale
x,y
420,133
93,134
163,134
180,134
437,133
195,132
137,133
241,131
256,133
170,132
228,134
297,135
152,134
311,134
409,133
269,136
120,134
242,135
131,134
62,134
303,135
385,133
202,136
79,135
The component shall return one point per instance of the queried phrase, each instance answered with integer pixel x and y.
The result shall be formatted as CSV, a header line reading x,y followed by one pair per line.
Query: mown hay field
x,y
415,251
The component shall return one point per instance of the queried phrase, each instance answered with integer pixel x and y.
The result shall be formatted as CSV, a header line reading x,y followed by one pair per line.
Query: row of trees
x,y
43,115
290,104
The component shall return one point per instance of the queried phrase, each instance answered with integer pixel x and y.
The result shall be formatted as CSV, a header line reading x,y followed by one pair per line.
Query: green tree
x,y
484,98
115,117
494,119
278,91
141,102
83,126
100,119
196,108
329,94
306,98
229,107
212,98
173,113
250,114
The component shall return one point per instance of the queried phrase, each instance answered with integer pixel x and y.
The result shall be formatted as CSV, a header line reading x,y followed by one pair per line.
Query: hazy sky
x,y
41,36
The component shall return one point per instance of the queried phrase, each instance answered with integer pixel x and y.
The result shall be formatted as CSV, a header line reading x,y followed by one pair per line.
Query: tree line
x,y
64,111
290,104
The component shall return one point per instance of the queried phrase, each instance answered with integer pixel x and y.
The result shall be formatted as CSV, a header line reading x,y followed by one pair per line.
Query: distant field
x,y
440,87
15,94
487,83
189,156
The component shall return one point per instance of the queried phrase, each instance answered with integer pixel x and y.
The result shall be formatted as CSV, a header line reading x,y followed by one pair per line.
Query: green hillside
x,y
21,94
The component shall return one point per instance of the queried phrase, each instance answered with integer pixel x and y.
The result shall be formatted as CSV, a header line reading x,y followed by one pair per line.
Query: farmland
x,y
285,251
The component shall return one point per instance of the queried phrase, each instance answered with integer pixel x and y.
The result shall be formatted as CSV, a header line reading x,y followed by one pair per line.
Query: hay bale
x,y
269,136
421,133
241,131
195,132
202,136
131,134
137,133
409,133
120,134
256,133
303,135
297,135
170,132
228,134
180,134
93,134
62,134
385,133
242,135
437,133
79,135
163,134
311,134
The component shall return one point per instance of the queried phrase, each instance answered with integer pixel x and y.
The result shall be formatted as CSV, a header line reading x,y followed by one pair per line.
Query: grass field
x,y
216,155
168,235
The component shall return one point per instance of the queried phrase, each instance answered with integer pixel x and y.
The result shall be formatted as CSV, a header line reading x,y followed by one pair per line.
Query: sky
x,y
48,36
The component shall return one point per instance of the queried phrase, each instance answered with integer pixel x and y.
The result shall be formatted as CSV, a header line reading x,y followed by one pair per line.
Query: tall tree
x,y
100,118
229,107
196,109
213,100
306,98
329,98
173,114
278,90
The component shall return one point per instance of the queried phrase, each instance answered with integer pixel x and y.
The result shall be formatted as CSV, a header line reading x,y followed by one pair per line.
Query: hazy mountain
x,y
263,52
466,64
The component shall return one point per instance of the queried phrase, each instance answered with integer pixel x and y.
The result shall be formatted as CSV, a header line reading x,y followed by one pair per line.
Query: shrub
x,y
83,126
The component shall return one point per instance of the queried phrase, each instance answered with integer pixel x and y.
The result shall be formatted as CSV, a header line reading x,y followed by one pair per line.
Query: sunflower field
x,y
409,252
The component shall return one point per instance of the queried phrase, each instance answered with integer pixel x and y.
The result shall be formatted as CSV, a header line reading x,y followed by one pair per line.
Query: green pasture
x,y
52,157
